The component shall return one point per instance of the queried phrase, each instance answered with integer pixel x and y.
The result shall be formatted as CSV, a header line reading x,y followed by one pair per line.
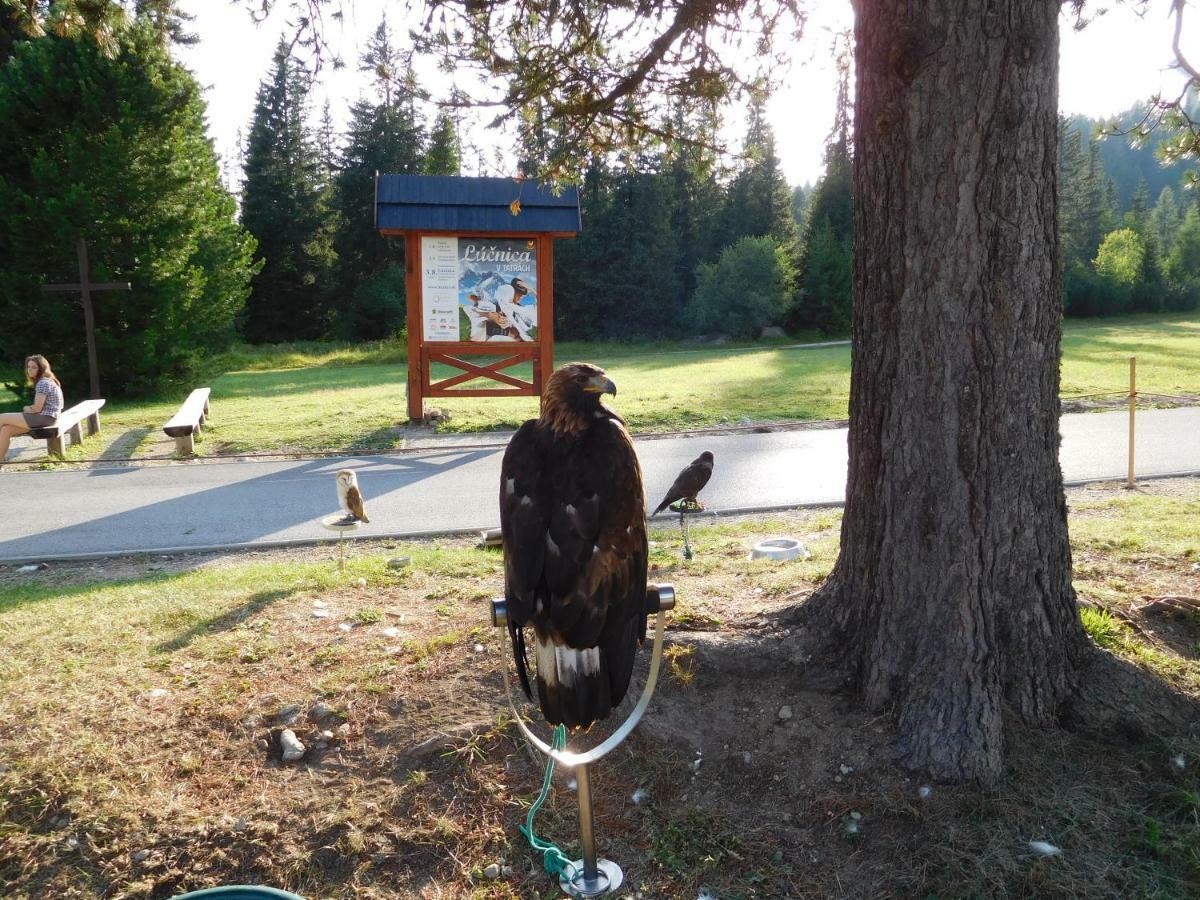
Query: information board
x,y
439,288
479,289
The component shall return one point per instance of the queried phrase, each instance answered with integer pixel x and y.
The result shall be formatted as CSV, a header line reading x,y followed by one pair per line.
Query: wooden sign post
x,y
85,288
479,279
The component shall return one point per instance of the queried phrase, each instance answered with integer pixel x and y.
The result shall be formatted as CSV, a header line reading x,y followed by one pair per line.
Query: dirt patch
x,y
754,773
1111,403
1109,490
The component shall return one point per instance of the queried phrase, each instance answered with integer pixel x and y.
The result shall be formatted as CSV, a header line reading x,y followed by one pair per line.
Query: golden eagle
x,y
690,481
573,517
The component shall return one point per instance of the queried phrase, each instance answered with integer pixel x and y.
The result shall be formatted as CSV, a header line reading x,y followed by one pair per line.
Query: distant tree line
x,y
308,199
1125,248
671,245
102,136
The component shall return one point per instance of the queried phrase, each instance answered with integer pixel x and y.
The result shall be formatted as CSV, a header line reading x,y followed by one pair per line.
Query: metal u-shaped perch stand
x,y
686,509
592,876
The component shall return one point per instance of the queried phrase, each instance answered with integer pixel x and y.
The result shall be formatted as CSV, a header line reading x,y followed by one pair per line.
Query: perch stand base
x,y
608,878
592,877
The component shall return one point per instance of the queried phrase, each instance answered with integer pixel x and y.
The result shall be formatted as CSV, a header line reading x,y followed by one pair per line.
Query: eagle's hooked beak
x,y
599,384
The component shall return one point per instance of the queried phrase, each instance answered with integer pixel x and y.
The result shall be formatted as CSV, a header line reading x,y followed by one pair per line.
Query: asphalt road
x,y
128,509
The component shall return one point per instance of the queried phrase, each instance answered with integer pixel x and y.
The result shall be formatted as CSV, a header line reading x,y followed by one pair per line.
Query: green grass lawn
x,y
1096,354
138,699
337,397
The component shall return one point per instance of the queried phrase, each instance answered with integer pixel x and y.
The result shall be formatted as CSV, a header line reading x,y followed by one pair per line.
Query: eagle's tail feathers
x,y
547,679
620,653
573,685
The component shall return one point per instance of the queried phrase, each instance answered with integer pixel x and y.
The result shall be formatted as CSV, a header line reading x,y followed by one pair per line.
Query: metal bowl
x,y
780,550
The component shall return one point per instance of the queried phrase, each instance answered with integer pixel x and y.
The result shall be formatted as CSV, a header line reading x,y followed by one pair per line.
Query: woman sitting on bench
x,y
46,406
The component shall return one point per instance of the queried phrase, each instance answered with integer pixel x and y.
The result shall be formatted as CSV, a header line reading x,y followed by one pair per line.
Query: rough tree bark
x,y
953,589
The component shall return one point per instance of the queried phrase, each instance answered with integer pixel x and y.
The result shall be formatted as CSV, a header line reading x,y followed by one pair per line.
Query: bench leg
x,y
54,446
93,423
185,444
76,433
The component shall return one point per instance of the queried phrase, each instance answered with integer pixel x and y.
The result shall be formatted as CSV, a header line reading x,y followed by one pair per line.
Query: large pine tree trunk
x,y
953,588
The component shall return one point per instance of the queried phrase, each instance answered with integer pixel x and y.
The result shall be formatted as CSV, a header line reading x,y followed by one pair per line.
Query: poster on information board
x,y
479,289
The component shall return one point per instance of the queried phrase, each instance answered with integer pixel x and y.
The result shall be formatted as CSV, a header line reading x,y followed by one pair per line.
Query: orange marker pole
x,y
1131,481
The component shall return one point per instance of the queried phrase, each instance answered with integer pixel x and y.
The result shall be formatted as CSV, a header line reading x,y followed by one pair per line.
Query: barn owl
x,y
350,497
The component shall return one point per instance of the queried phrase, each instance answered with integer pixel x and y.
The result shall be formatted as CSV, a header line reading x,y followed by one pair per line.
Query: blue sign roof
x,y
452,203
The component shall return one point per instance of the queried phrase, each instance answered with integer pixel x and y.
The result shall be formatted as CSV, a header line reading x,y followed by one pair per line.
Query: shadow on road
x,y
250,508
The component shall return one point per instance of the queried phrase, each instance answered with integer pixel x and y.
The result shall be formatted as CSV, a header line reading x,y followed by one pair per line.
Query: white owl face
x,y
346,478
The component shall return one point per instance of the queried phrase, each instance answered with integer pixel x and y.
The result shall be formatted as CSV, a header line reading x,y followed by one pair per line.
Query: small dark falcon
x,y
689,482
573,517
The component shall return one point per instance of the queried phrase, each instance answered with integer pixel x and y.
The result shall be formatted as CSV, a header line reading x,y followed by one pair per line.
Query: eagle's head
x,y
571,401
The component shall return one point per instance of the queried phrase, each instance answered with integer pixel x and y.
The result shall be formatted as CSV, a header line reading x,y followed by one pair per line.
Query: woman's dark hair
x,y
43,367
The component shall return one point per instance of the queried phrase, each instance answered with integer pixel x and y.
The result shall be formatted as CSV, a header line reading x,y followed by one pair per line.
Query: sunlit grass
x,y
1096,354
1101,627
319,396
1128,546
1132,525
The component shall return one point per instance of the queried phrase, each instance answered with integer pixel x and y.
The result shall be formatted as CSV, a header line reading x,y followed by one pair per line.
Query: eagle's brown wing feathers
x,y
573,518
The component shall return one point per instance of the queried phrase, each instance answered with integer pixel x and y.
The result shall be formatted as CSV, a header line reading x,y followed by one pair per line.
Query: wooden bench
x,y
189,421
70,424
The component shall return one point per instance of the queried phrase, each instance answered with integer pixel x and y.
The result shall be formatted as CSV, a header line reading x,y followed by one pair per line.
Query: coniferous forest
x,y
104,136
679,243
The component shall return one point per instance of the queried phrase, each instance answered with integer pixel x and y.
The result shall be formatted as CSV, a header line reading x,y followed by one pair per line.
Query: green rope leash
x,y
554,860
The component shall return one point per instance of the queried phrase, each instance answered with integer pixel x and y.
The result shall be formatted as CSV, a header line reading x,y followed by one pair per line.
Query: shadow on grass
x,y
13,597
1122,703
380,439
225,621
124,446
257,502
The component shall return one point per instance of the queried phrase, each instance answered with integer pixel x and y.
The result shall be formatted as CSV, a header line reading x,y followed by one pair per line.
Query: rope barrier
x,y
1069,397
554,861
1184,398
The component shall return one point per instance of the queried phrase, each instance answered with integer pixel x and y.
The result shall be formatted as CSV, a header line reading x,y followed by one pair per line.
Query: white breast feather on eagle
x,y
573,518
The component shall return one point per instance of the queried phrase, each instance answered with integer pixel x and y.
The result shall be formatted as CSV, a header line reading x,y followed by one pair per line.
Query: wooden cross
x,y
85,288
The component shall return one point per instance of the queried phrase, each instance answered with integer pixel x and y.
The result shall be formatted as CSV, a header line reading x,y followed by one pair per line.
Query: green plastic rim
x,y
240,892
